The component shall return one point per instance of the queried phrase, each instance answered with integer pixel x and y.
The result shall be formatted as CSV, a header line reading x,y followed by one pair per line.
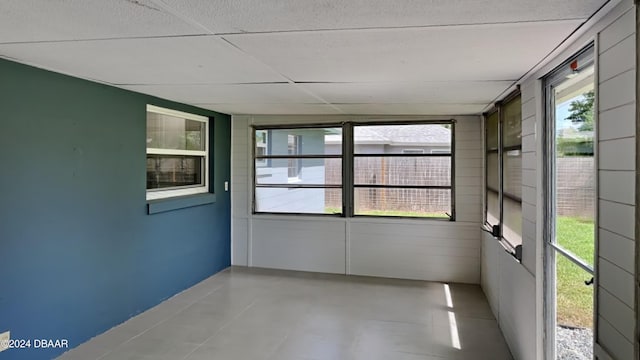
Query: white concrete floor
x,y
248,314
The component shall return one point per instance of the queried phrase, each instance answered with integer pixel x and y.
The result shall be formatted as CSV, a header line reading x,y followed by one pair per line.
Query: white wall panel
x,y
618,249
612,341
617,91
307,245
529,143
510,289
619,315
418,251
617,154
529,161
240,229
616,124
617,30
617,282
528,111
529,177
239,190
617,182
617,59
617,218
528,126
490,272
618,186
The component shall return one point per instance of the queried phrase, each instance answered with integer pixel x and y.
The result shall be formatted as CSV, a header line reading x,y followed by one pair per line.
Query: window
x,y
389,181
177,148
299,172
400,170
492,156
503,155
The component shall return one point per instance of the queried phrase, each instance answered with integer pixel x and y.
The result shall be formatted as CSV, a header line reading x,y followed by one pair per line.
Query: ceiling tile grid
x,y
477,52
230,93
296,56
247,16
167,60
56,20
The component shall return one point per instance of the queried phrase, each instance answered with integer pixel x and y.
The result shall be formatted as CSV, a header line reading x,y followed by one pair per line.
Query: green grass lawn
x,y
574,299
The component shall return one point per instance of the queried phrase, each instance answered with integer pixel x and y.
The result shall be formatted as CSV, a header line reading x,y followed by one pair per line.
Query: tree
x,y
581,112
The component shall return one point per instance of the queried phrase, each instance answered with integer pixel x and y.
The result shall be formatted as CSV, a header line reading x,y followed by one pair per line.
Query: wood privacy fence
x,y
575,188
396,171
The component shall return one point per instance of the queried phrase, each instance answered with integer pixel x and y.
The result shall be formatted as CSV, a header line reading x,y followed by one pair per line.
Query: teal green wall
x,y
78,252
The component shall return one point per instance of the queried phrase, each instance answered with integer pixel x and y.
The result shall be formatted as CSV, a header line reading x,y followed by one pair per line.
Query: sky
x,y
562,111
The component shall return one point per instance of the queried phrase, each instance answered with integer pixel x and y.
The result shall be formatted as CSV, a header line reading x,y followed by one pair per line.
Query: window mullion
x,y
500,167
347,170
452,181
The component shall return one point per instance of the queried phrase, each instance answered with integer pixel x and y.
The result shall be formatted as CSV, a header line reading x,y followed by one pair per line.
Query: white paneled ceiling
x,y
58,20
432,57
435,53
231,93
245,16
165,60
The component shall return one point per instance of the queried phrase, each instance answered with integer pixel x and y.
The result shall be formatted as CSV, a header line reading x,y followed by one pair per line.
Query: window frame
x,y
175,191
497,230
450,154
292,183
347,157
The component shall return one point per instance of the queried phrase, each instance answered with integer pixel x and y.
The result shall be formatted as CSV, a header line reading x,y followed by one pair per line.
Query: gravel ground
x,y
574,344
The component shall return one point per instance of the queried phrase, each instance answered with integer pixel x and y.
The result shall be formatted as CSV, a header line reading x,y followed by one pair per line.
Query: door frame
x,y
548,147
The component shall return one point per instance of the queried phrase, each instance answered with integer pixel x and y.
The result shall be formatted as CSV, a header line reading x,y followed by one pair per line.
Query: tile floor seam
x,y
220,329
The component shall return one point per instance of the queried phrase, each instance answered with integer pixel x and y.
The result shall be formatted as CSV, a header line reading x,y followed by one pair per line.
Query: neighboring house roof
x,y
418,135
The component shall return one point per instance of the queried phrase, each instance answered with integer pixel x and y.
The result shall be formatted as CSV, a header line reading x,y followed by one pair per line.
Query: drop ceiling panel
x,y
229,94
272,109
411,109
177,60
400,92
238,16
495,52
48,20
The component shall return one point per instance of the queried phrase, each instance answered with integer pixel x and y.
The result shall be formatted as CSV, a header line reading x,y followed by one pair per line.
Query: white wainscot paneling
x,y
429,251
240,241
617,313
299,244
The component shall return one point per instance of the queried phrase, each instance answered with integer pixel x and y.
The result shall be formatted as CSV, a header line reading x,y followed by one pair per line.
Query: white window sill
x,y
164,194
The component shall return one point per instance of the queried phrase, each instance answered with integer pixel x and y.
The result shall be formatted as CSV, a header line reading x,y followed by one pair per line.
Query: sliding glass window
x,y
298,170
492,155
503,166
512,171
